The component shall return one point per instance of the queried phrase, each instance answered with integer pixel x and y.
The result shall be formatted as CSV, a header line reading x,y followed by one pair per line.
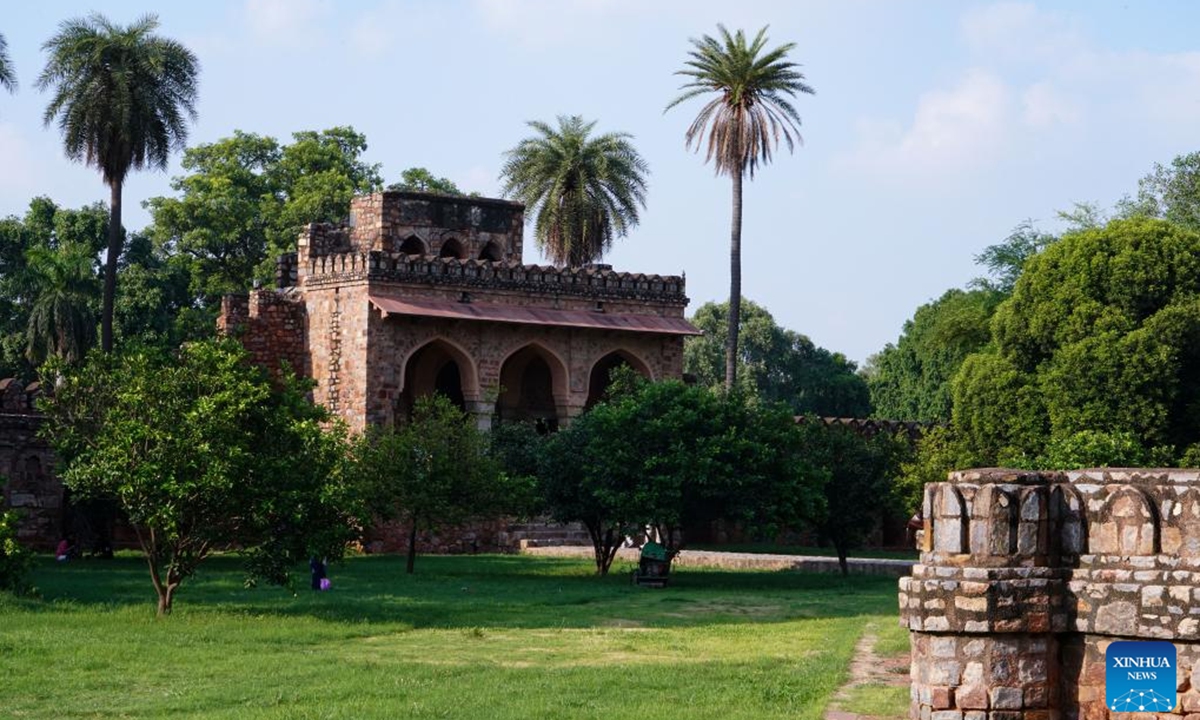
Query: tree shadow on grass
x,y
473,591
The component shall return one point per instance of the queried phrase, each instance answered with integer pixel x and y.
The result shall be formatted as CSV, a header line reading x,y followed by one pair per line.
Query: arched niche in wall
x,y
413,245
995,522
452,248
533,386
1067,509
491,252
950,522
441,367
1126,524
1032,523
1181,534
600,376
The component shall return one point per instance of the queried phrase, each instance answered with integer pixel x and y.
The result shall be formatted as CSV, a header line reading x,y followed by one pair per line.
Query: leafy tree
x,y
62,321
202,453
583,191
418,179
1169,192
668,455
860,486
775,364
1101,335
121,97
245,199
16,560
1005,260
153,300
8,76
433,471
45,229
754,88
911,379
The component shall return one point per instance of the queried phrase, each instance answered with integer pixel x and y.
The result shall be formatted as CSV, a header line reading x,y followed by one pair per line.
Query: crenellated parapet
x,y
1025,578
594,282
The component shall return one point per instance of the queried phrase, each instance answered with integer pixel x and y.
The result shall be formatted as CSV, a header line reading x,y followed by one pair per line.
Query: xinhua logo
x,y
1140,676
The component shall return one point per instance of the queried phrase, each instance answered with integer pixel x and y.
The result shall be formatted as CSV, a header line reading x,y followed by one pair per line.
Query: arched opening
x,y
412,245
491,252
452,248
601,376
435,368
532,381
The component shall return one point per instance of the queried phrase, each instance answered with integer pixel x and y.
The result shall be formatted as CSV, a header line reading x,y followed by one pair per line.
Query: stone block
x,y
941,697
1006,698
946,715
971,697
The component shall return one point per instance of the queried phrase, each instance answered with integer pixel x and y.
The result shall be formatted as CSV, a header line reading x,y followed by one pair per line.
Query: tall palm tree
x,y
583,191
8,76
121,97
62,321
742,124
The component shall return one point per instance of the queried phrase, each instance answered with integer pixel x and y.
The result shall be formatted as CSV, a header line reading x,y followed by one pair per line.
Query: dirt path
x,y
869,670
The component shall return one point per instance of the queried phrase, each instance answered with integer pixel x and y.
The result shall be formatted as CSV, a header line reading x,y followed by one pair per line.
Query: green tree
x,y
860,489
434,470
203,452
245,198
1004,261
62,321
669,456
45,228
418,179
754,88
8,76
775,364
121,97
1101,335
910,380
583,191
1169,192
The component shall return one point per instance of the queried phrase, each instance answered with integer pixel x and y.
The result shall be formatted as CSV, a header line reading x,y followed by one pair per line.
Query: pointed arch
x,y
534,386
452,248
437,366
492,252
413,245
600,374
1131,514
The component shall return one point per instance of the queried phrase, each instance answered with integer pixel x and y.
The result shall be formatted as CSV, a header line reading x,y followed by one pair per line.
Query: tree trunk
x,y
412,547
842,550
735,284
110,267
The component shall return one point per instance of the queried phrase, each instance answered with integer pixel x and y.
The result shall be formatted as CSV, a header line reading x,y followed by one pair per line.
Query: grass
x,y
466,637
773,549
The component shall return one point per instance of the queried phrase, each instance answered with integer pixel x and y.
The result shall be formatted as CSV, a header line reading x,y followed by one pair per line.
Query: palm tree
x,y
583,191
62,321
742,124
8,76
122,98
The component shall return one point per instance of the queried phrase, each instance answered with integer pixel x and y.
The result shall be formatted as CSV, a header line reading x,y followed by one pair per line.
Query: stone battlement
x,y
17,397
598,282
1025,578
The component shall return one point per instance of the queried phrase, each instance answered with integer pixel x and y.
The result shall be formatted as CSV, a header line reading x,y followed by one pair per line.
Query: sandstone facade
x,y
422,293
27,467
1025,578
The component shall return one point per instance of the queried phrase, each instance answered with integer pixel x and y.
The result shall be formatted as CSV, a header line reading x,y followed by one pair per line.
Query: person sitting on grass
x,y
65,550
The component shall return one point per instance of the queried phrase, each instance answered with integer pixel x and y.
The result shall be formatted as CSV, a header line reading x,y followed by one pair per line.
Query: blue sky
x,y
936,127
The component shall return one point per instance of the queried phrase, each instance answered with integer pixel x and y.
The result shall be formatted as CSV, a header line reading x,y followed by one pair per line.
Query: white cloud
x,y
1045,105
952,131
1018,31
544,23
294,23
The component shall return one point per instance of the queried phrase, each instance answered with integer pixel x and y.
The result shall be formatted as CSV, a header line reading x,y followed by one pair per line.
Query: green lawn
x,y
772,549
467,637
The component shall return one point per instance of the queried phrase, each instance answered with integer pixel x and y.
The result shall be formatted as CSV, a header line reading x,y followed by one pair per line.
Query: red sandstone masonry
x,y
1025,578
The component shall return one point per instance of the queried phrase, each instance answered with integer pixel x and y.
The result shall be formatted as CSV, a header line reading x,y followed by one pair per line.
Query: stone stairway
x,y
542,532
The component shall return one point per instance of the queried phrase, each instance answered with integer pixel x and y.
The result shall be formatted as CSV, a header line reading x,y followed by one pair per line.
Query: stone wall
x,y
1025,578
27,468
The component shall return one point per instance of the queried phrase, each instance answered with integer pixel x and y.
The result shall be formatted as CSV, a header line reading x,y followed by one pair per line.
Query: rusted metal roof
x,y
495,312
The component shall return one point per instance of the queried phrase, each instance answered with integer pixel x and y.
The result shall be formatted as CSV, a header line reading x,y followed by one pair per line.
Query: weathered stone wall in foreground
x,y
1025,578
